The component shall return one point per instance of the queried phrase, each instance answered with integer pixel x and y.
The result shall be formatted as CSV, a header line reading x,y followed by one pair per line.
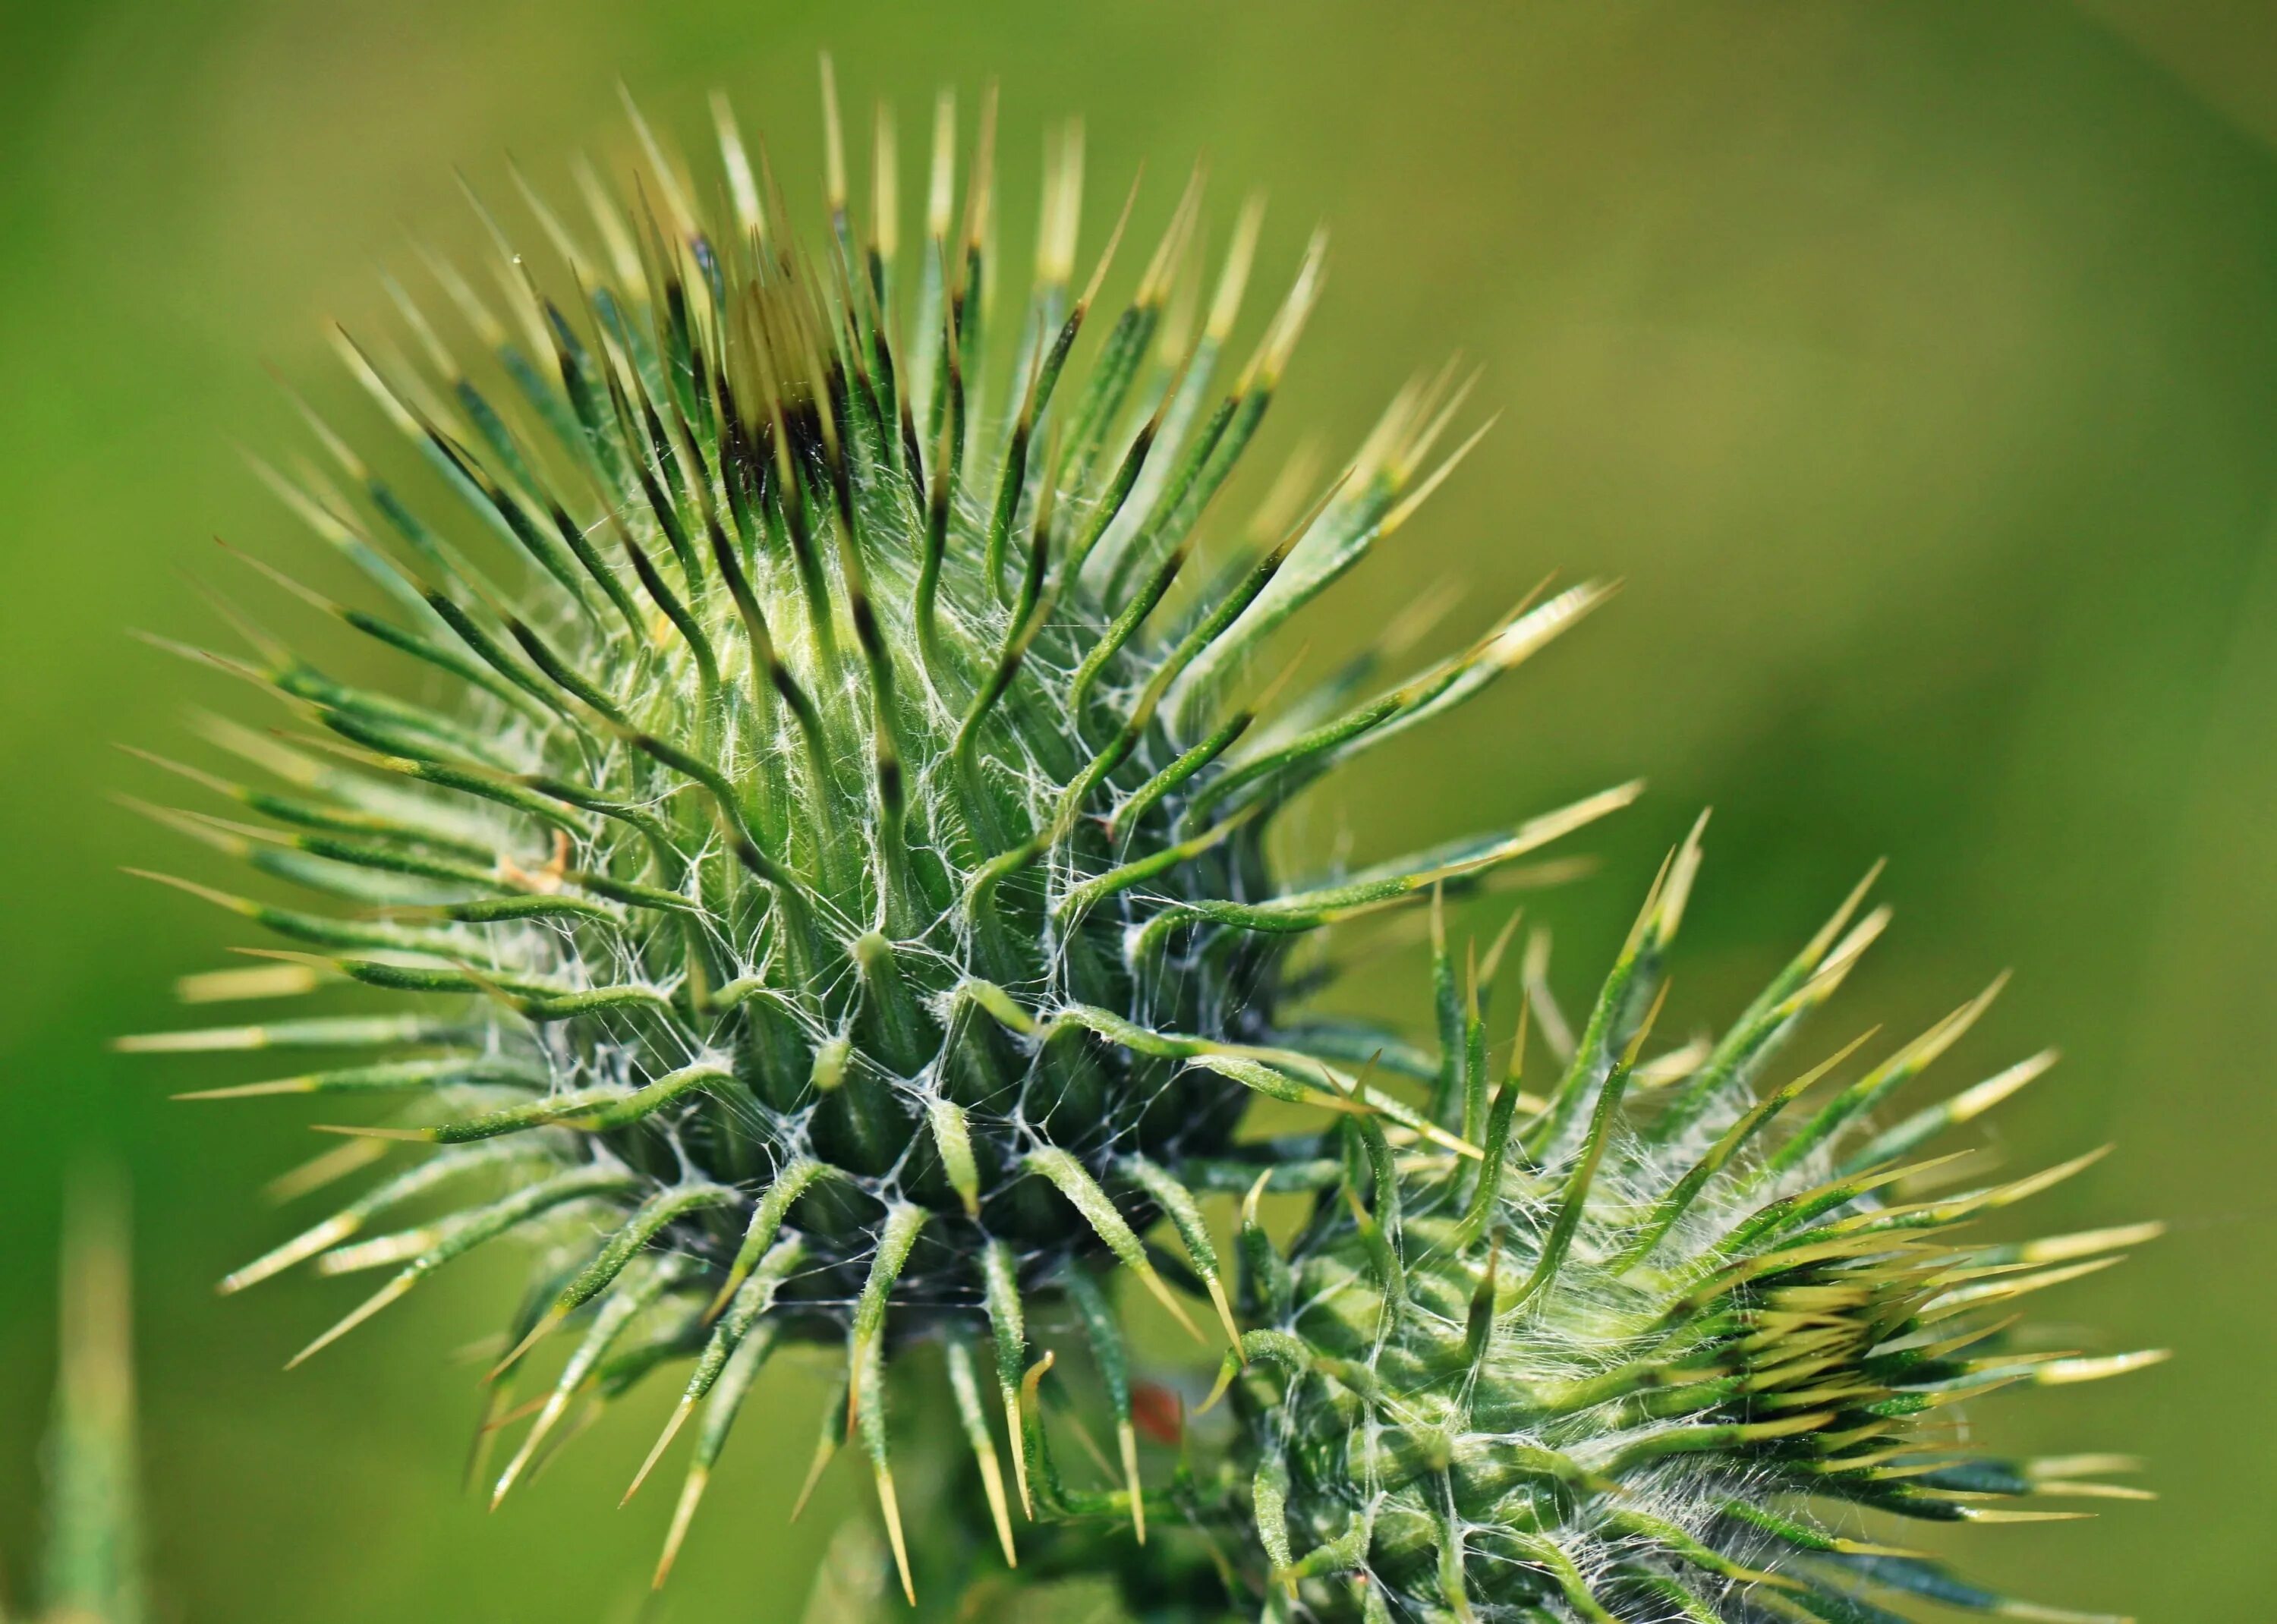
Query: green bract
x,y
824,880
91,1565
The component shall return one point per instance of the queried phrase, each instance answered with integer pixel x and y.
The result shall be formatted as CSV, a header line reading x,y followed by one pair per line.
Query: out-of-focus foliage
x,y
91,1530
1917,367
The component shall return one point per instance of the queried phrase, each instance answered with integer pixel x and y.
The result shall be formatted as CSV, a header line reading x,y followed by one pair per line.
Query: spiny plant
x,y
1661,1352
92,1569
831,870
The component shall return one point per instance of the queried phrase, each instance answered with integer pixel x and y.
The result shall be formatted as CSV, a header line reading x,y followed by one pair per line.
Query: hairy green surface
x,y
1676,1345
825,872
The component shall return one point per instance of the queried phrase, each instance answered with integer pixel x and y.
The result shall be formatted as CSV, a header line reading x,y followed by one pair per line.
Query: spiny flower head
x,y
1669,1347
828,870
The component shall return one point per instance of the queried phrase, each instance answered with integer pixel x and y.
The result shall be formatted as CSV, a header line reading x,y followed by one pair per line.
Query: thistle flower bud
x,y
1670,1345
828,861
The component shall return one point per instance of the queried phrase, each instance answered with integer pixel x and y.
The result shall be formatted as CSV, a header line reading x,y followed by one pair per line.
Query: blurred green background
x,y
1915,364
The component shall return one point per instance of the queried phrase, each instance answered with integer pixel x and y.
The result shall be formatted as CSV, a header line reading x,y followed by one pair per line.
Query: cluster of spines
x,y
846,606
1650,1356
